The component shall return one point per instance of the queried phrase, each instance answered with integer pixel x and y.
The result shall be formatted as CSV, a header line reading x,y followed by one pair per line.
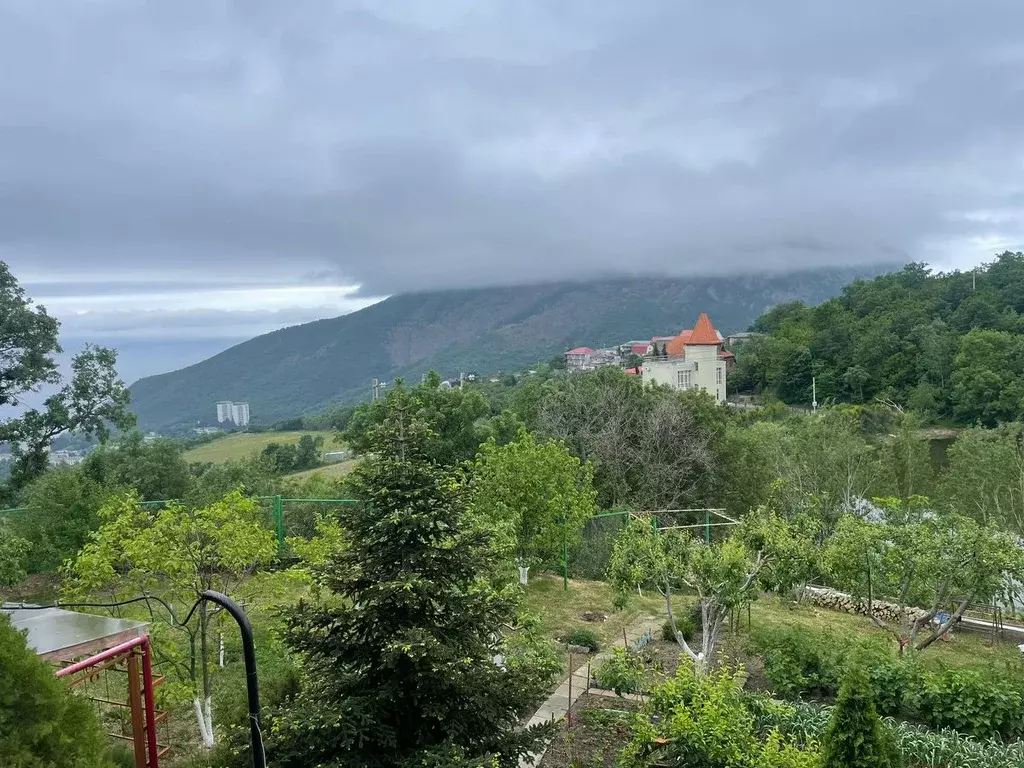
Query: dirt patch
x,y
593,616
596,733
37,588
663,656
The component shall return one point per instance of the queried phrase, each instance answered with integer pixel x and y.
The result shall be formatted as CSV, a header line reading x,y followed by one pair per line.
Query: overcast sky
x,y
205,171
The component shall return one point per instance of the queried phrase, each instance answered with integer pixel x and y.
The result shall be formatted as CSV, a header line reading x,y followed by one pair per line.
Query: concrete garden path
x,y
558,703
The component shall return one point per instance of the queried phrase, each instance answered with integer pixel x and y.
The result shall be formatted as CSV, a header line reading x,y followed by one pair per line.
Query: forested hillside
x,y
304,368
949,345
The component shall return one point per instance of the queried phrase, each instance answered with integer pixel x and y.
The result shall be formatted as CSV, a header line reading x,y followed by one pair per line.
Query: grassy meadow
x,y
244,444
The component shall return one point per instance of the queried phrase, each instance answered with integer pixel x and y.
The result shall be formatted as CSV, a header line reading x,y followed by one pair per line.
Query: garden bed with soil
x,y
594,735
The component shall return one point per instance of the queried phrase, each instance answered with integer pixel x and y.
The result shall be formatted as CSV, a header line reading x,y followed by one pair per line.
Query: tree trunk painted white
x,y
680,640
221,656
524,575
205,721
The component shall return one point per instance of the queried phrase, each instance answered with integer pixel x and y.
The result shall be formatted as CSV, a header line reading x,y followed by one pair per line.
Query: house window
x,y
719,381
683,379
695,366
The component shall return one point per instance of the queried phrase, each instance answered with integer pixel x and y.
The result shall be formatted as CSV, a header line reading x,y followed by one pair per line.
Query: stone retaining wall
x,y
840,601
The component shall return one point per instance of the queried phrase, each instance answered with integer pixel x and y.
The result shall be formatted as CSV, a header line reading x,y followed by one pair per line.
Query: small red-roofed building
x,y
579,359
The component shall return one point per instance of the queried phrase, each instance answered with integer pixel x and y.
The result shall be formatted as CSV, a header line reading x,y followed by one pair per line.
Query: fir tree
x,y
399,662
42,723
856,736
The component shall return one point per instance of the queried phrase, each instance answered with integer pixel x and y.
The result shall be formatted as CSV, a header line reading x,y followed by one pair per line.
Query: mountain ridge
x,y
304,368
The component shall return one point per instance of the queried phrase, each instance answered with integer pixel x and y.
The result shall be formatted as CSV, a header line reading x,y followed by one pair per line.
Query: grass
x,y
962,649
337,469
244,444
561,612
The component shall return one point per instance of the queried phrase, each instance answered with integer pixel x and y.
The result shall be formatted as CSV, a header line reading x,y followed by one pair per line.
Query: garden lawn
x,y
963,649
561,612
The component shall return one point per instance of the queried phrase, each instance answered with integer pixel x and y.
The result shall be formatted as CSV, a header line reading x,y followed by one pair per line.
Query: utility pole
x,y
375,388
814,394
974,279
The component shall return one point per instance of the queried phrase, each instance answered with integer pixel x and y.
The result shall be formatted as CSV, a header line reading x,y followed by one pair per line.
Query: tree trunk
x,y
205,714
712,617
203,720
680,640
945,626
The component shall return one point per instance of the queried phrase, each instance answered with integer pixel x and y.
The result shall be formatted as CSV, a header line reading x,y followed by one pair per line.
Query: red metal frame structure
x,y
147,754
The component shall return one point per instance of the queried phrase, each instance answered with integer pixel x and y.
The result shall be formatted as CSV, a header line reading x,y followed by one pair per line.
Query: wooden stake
x,y
568,711
135,704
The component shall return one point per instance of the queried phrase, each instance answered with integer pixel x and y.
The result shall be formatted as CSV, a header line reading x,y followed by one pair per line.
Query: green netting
x,y
709,525
590,558
294,518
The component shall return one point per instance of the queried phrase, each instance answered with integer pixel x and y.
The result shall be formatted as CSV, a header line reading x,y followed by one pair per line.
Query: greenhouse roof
x,y
59,635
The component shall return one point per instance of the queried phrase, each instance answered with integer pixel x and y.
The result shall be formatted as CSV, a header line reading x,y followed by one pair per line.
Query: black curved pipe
x,y
252,685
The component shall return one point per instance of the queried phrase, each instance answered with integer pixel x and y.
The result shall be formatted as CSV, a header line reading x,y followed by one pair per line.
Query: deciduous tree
x,y
454,416
536,493
652,448
984,477
924,562
89,402
724,575
176,553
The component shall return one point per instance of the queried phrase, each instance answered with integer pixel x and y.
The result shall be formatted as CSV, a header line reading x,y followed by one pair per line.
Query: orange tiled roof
x,y
703,333
678,344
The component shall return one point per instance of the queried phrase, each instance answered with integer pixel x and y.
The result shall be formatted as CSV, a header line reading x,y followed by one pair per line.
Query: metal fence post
x,y
707,526
279,522
565,559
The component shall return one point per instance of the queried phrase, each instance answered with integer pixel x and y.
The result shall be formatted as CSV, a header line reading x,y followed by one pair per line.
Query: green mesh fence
x,y
293,518
590,558
709,525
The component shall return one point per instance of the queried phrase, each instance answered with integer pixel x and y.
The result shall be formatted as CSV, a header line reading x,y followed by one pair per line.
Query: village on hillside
x,y
695,358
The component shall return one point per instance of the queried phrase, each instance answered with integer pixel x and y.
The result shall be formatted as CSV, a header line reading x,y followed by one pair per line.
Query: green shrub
x,y
42,723
800,661
980,702
944,748
622,673
685,626
855,736
65,505
893,679
585,638
12,556
705,722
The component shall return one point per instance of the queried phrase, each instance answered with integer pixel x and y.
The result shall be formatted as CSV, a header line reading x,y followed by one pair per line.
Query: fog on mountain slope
x,y
304,368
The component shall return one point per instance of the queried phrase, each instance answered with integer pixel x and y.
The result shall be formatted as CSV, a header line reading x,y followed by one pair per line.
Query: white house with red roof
x,y
579,359
695,359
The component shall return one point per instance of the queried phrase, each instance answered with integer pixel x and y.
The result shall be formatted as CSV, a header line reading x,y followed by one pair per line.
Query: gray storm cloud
x,y
437,144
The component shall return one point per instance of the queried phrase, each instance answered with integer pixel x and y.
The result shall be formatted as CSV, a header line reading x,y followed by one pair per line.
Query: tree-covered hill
x,y
307,367
949,345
